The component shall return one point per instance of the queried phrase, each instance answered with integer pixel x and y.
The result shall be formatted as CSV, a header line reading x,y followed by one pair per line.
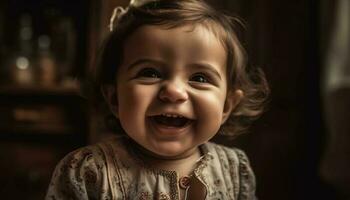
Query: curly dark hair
x,y
175,13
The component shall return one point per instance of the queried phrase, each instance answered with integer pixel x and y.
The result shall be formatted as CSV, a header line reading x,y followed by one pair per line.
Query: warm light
x,y
22,63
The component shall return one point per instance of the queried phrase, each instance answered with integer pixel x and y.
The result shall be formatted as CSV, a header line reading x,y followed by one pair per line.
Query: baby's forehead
x,y
186,28
181,45
204,31
182,35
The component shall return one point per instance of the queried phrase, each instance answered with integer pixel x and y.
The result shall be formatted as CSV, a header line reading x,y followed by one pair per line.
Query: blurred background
x,y
299,149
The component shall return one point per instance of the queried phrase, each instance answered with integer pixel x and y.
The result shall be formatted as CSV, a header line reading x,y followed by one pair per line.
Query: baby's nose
x,y
173,91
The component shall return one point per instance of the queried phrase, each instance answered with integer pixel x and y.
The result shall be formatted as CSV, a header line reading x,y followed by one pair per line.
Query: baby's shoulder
x,y
81,172
232,154
234,161
96,154
85,157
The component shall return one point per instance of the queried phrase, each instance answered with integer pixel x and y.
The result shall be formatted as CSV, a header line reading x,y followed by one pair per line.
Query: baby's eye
x,y
201,78
149,73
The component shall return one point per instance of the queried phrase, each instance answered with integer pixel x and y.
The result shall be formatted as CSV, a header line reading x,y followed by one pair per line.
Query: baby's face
x,y
171,88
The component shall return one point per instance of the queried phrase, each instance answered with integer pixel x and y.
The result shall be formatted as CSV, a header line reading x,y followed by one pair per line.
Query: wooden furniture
x,y
38,127
43,115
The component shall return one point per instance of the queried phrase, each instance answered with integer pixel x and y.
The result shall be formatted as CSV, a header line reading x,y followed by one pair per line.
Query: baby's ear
x,y
233,98
110,95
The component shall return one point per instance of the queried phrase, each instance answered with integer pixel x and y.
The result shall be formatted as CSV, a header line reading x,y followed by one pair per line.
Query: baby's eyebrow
x,y
143,60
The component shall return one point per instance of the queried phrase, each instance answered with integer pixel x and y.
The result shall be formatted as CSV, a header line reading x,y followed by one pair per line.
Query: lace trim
x,y
108,150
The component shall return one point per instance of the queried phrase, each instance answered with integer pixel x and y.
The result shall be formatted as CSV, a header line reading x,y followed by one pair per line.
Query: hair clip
x,y
117,13
137,3
120,11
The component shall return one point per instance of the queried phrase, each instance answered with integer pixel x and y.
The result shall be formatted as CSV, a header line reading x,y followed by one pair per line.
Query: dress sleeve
x,y
78,176
247,178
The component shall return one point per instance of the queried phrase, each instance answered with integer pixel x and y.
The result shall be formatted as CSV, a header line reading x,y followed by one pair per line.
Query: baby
x,y
173,74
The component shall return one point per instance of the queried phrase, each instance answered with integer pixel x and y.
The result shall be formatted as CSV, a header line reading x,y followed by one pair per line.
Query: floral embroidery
x,y
217,182
162,196
89,176
145,196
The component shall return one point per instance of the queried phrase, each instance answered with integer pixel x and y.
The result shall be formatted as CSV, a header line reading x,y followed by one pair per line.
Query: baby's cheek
x,y
212,103
132,95
136,100
209,113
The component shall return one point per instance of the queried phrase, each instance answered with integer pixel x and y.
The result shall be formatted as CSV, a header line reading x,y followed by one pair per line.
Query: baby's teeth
x,y
171,115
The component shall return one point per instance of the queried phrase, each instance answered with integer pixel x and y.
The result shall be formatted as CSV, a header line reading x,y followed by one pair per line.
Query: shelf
x,y
52,129
39,90
41,95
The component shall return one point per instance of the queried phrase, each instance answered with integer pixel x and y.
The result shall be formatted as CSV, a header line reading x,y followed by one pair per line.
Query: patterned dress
x,y
113,170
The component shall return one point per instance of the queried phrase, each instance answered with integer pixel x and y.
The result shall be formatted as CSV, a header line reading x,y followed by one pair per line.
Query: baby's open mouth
x,y
171,120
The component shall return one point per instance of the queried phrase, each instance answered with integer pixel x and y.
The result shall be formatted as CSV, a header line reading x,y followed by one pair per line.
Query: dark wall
x,y
286,145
